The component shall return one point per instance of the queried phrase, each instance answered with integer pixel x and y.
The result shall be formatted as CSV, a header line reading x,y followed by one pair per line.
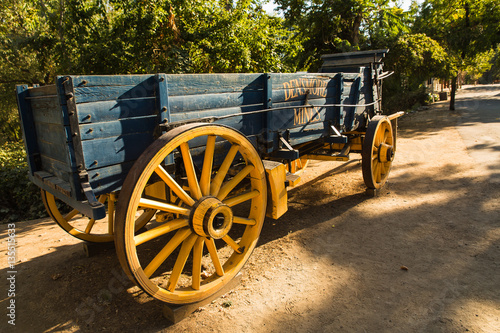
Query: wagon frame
x,y
202,158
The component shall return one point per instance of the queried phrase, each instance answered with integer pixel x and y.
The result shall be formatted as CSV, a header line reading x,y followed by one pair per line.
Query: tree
x,y
333,26
465,28
42,38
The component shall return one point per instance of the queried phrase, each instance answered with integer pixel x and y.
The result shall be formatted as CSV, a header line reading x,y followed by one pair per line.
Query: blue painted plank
x,y
113,110
109,93
27,128
119,127
214,101
112,80
47,110
57,168
114,150
196,84
109,179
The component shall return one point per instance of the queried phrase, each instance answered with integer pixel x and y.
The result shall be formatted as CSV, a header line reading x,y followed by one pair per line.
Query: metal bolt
x,y
163,109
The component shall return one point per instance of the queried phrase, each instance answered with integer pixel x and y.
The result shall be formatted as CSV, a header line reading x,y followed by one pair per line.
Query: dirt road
x,y
422,257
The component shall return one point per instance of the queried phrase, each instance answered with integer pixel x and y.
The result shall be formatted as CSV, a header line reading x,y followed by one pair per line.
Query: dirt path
x,y
332,263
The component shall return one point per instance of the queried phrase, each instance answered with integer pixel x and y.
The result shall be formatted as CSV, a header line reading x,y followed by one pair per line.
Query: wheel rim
x,y
378,152
218,223
87,229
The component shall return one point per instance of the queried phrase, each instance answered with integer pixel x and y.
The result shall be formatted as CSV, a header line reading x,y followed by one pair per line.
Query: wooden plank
x,y
56,168
109,179
214,101
109,93
54,182
47,110
114,150
113,80
51,133
116,109
119,127
43,91
196,84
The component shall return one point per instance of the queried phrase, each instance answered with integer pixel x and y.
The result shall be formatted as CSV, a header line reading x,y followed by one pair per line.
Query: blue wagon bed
x,y
196,160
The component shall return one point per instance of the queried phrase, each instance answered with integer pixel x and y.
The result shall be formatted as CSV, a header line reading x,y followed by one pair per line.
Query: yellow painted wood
x,y
194,186
172,184
277,200
208,160
241,198
186,247
326,157
224,168
243,220
230,185
111,212
197,256
148,203
395,115
250,179
176,240
378,151
219,270
229,241
160,230
67,222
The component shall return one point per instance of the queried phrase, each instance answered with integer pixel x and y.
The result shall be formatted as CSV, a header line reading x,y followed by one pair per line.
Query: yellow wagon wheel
x,y
191,257
86,229
378,152
297,166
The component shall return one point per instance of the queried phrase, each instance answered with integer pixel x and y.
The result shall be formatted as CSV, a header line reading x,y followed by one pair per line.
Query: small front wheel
x,y
215,205
378,152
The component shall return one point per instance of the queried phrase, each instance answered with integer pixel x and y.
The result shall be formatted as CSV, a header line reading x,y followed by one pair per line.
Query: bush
x,y
20,197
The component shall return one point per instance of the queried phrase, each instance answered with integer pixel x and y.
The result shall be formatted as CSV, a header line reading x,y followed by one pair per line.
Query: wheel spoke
x,y
172,184
229,241
243,220
219,270
89,227
241,198
71,214
224,191
160,230
197,255
194,187
208,160
176,240
147,203
186,247
111,213
377,172
221,173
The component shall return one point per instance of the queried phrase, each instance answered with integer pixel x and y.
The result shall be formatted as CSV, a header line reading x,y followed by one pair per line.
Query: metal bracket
x,y
87,189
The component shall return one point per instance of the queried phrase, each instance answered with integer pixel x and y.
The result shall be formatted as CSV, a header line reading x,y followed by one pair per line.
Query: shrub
x,y
20,197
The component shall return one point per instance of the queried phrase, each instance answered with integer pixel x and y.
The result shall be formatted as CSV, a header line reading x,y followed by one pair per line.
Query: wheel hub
x,y
211,218
385,153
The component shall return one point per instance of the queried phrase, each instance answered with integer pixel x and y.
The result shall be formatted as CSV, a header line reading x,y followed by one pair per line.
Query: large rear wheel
x,y
215,209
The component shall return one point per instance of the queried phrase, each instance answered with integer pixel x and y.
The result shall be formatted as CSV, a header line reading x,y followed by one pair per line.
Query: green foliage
x,y
332,26
20,197
414,58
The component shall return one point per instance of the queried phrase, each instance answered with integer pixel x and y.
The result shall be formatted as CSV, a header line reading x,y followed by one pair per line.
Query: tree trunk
x,y
453,92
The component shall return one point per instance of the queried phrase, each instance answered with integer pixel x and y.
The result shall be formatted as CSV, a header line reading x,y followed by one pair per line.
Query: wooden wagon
x,y
181,170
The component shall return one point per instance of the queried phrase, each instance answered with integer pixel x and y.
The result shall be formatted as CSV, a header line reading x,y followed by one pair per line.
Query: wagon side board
x,y
83,134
